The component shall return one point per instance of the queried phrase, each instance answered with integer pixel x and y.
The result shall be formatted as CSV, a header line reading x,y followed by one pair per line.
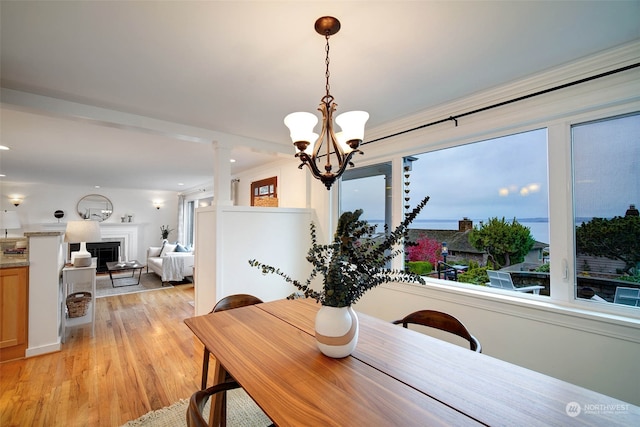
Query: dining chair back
x,y
442,321
198,400
226,303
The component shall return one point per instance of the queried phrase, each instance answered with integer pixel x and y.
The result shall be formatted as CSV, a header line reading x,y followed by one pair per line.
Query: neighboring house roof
x,y
456,240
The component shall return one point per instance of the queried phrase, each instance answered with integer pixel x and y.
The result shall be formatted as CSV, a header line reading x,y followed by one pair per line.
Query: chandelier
x,y
340,146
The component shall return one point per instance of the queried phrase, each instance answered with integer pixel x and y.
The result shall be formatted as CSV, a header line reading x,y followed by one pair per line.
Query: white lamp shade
x,y
342,142
10,220
301,126
352,124
82,231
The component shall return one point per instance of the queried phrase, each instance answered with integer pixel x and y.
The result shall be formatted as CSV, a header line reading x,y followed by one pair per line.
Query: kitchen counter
x,y
13,262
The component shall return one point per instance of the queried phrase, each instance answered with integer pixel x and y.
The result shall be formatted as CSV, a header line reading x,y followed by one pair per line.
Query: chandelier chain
x,y
326,61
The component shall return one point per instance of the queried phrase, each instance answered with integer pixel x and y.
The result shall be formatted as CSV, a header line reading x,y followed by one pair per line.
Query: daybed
x,y
172,262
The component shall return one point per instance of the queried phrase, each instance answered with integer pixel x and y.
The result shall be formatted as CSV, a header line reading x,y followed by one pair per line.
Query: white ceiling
x,y
189,72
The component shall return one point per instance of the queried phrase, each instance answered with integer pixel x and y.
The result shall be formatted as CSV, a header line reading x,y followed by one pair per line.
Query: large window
x,y
368,188
189,217
606,185
498,185
189,222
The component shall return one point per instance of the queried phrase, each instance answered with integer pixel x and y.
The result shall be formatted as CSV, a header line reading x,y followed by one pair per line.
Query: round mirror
x,y
94,207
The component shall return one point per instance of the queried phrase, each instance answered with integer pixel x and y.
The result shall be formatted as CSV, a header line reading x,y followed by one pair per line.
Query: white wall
x,y
296,189
291,183
42,200
45,263
229,236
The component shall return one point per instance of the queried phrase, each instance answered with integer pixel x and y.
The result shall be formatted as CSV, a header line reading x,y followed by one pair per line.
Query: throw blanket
x,y
172,268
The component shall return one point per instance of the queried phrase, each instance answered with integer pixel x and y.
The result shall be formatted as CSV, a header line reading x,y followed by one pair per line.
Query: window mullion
x,y
561,257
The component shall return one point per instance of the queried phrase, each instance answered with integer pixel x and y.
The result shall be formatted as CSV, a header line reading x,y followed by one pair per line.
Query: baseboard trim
x,y
43,349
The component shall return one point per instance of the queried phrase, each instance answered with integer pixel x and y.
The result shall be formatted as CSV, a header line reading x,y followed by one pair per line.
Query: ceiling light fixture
x,y
343,145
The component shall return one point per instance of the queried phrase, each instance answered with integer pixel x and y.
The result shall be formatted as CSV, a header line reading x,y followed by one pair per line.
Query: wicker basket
x,y
77,303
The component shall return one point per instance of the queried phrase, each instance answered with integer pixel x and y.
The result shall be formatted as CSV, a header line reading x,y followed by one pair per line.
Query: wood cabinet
x,y
14,312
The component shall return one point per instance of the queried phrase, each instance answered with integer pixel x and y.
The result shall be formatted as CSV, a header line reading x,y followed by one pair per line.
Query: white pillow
x,y
154,251
167,248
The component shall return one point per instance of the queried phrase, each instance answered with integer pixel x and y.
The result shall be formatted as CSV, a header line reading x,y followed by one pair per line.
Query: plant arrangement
x,y
165,230
354,262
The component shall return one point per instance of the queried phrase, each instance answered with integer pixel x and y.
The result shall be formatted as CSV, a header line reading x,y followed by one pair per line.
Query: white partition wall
x,y
227,237
45,263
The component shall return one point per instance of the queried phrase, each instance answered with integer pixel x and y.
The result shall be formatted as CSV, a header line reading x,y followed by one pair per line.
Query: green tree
x,y
505,242
615,238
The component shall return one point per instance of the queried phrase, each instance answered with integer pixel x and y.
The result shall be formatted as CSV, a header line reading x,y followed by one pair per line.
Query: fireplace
x,y
104,251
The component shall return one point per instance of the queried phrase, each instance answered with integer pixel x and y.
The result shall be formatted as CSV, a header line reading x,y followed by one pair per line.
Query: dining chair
x,y
198,400
226,303
442,321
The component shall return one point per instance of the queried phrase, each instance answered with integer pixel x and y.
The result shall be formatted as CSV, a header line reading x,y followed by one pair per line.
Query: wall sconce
x,y
16,201
157,204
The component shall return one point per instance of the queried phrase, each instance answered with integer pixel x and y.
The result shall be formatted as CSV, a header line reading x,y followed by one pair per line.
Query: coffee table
x,y
115,267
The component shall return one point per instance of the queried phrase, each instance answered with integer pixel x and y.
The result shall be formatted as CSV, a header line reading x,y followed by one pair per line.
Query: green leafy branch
x,y
354,262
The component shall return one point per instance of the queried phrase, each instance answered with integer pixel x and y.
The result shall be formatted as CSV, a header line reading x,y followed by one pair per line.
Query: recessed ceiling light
x,y
181,183
96,186
3,147
1,175
232,160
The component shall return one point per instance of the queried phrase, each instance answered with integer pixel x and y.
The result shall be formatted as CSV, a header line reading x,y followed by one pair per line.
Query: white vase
x,y
336,331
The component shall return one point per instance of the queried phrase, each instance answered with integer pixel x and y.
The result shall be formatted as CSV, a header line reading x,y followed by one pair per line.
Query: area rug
x,y
148,282
241,412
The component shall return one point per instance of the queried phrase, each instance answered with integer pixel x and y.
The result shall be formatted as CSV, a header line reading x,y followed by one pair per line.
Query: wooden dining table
x,y
395,377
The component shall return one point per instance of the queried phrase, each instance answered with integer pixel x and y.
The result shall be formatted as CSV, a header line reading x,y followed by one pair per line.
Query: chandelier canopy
x,y
340,146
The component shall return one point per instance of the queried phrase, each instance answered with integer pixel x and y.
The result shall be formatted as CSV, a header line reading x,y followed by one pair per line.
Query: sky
x,y
501,177
607,167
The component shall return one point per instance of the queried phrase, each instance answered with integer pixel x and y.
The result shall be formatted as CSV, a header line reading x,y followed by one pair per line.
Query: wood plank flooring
x,y
143,357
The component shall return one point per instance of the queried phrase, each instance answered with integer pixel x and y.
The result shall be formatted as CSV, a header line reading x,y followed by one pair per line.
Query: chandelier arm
x,y
332,141
327,178
327,136
347,162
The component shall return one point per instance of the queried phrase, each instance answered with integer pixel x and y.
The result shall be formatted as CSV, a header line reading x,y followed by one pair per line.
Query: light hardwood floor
x,y
143,357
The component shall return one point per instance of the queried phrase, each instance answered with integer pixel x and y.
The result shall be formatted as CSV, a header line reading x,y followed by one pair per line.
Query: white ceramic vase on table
x,y
336,331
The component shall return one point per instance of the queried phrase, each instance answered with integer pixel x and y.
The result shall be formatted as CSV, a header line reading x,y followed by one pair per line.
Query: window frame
x,y
559,164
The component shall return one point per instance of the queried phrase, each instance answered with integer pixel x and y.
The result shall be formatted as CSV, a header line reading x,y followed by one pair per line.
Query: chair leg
x,y
223,413
205,369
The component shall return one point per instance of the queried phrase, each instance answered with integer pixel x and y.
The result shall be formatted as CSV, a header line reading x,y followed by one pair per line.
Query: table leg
x,y
219,376
139,275
111,277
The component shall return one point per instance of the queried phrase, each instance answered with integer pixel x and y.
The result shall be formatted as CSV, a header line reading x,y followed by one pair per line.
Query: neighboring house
x,y
460,248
